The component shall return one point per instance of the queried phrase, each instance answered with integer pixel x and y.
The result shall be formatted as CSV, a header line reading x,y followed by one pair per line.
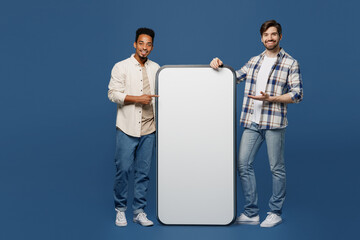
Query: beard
x,y
271,48
142,56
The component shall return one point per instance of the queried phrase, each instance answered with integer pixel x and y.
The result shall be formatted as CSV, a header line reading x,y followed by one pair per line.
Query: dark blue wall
x,y
57,130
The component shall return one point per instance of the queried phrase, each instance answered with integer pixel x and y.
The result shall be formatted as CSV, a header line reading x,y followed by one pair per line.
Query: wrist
x,y
131,99
272,99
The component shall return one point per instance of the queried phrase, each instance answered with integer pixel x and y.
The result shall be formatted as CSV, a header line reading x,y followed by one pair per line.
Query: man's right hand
x,y
216,63
143,99
146,99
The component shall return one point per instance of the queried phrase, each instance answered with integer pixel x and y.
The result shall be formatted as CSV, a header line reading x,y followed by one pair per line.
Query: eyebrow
x,y
272,33
144,42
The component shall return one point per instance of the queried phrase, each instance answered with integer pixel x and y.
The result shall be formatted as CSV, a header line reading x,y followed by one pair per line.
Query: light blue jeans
x,y
251,141
132,152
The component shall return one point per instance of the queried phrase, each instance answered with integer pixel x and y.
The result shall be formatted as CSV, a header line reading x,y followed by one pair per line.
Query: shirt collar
x,y
133,60
279,55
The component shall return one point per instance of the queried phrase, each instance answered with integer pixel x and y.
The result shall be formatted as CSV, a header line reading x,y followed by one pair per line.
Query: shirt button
x,y
141,90
139,122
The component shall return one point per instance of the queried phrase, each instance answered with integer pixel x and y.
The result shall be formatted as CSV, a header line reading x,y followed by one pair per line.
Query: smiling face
x,y
143,47
271,39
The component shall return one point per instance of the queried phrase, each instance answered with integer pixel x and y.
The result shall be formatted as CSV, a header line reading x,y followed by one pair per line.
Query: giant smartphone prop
x,y
196,145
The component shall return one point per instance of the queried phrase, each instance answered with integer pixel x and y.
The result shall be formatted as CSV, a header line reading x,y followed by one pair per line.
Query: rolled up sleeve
x,y
116,91
295,85
241,73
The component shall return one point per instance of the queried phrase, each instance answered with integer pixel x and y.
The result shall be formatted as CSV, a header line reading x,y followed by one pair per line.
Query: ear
x,y
280,36
134,44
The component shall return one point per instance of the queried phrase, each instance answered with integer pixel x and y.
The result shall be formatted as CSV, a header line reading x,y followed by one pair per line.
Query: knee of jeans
x,y
278,170
243,167
122,167
141,178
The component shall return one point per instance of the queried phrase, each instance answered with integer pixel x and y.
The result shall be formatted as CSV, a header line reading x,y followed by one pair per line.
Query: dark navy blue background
x,y
58,127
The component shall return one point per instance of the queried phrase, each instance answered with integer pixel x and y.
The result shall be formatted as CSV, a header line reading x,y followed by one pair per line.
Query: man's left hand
x,y
262,97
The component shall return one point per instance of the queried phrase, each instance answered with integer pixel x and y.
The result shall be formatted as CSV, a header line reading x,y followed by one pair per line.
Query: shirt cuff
x,y
295,97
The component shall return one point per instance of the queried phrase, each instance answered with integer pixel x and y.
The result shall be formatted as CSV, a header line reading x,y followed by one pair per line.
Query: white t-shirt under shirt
x,y
261,82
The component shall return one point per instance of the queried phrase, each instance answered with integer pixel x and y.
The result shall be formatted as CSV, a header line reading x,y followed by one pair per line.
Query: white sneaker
x,y
143,220
271,220
120,219
243,219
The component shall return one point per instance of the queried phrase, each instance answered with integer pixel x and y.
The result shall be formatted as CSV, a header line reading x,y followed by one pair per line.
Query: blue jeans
x,y
251,141
137,152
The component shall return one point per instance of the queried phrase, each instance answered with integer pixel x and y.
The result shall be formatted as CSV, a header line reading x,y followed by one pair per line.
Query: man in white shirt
x,y
132,87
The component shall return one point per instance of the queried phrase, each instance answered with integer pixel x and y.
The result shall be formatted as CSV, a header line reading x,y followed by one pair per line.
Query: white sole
x,y
269,226
248,223
144,225
121,224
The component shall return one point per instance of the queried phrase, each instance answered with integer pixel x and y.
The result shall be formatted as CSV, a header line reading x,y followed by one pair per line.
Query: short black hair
x,y
146,31
271,23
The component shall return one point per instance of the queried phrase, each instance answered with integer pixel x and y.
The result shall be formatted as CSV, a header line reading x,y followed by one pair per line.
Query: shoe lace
x,y
121,215
270,215
142,216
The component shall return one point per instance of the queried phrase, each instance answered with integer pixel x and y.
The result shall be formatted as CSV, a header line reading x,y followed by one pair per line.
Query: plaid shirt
x,y
284,78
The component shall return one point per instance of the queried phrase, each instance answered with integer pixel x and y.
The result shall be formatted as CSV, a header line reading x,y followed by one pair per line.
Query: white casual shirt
x,y
261,81
127,79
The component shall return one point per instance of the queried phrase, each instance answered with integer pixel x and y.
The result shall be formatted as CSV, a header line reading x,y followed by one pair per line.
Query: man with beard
x,y
273,80
132,87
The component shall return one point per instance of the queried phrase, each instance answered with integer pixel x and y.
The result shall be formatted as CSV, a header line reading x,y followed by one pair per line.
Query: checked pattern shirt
x,y
284,78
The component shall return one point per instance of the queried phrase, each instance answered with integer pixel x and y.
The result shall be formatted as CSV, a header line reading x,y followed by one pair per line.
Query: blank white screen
x,y
195,160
